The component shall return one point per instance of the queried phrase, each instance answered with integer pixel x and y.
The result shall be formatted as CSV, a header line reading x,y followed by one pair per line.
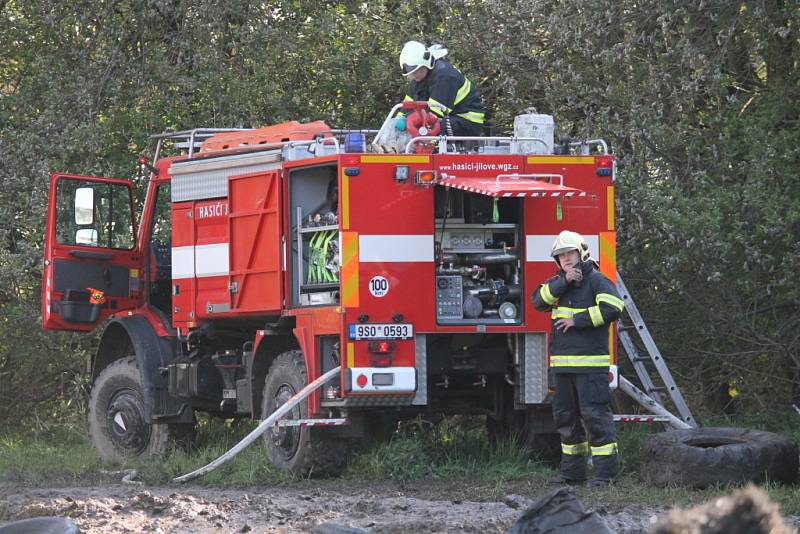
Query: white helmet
x,y
413,56
566,241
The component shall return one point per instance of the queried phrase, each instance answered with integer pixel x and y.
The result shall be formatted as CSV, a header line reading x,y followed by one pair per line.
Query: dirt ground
x,y
421,506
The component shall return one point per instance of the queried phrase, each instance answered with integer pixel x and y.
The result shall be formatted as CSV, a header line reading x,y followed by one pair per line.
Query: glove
x,y
400,123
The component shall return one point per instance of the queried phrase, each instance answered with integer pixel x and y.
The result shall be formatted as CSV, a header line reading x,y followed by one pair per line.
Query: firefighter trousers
x,y
461,127
582,404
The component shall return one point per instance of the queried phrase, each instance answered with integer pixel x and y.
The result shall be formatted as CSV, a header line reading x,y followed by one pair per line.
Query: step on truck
x,y
263,258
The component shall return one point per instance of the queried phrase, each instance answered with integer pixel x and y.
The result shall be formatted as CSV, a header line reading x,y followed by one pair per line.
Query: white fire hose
x,y
262,427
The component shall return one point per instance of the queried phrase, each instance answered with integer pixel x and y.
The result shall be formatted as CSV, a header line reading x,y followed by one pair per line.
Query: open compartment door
x,y
91,265
513,185
255,241
480,241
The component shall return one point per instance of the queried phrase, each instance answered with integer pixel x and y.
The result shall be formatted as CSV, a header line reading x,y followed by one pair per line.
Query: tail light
x,y
381,352
380,347
381,360
604,165
613,377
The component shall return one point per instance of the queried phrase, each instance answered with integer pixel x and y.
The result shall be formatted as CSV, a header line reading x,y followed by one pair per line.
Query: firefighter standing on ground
x,y
449,94
583,303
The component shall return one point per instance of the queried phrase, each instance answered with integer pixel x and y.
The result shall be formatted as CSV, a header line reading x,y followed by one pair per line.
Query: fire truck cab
x,y
264,258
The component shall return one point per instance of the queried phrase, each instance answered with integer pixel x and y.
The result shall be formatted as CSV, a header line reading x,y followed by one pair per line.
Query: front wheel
x,y
301,450
118,425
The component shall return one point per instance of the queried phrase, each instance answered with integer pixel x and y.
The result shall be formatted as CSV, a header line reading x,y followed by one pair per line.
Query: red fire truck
x,y
264,258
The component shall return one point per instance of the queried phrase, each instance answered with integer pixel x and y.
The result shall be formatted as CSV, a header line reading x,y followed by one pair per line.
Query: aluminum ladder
x,y
653,358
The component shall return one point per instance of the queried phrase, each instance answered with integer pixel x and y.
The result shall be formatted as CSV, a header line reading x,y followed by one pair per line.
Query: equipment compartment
x,y
313,196
478,259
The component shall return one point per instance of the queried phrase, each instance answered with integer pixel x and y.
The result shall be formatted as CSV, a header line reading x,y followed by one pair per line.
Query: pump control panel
x,y
449,297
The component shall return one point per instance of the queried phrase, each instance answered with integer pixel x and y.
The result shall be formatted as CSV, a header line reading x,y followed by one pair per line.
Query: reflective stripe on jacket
x,y
448,91
593,306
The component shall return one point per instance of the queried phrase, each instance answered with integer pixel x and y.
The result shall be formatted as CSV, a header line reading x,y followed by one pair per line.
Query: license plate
x,y
381,331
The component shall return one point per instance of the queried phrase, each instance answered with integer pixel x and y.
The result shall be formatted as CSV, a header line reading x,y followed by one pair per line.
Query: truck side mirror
x,y
84,207
86,236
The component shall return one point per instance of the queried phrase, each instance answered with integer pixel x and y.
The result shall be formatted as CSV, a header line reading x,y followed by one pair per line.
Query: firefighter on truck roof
x,y
450,95
582,303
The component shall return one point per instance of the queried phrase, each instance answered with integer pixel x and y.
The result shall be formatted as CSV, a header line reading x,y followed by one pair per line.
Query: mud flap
x,y
153,353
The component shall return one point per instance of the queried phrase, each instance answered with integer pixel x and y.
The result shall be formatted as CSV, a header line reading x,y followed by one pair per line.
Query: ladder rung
x,y
651,353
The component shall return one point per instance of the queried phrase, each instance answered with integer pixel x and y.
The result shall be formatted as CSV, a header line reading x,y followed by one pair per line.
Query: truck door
x,y
91,265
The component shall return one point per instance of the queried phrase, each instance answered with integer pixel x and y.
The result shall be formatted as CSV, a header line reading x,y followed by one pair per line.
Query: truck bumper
x,y
371,380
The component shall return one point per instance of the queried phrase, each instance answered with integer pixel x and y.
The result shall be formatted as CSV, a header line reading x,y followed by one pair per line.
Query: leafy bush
x,y
698,101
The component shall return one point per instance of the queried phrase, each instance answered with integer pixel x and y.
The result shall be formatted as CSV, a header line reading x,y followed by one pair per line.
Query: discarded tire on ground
x,y
700,457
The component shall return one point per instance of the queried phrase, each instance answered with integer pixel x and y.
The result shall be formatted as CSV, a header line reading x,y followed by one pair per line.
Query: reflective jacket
x,y
593,305
446,86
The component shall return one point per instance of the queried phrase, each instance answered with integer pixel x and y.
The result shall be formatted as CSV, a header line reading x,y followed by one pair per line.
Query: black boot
x,y
596,483
572,471
605,466
561,480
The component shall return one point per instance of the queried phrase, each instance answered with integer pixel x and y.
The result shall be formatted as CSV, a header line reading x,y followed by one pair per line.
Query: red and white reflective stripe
x,y
566,194
312,422
505,194
641,419
200,261
383,248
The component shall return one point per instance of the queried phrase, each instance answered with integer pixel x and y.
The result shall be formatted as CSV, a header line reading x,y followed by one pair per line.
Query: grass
x,y
454,450
47,458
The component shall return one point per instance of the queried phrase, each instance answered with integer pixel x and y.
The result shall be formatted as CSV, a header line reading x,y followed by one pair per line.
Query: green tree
x,y
698,100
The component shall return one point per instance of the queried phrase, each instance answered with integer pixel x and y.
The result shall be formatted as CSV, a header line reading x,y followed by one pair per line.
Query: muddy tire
x,y
700,457
118,425
543,446
300,450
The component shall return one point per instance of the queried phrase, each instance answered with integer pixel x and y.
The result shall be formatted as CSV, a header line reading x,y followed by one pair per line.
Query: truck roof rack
x,y
190,140
508,145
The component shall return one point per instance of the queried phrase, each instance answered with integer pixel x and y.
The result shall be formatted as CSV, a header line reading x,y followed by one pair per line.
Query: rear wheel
x,y
301,450
118,424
